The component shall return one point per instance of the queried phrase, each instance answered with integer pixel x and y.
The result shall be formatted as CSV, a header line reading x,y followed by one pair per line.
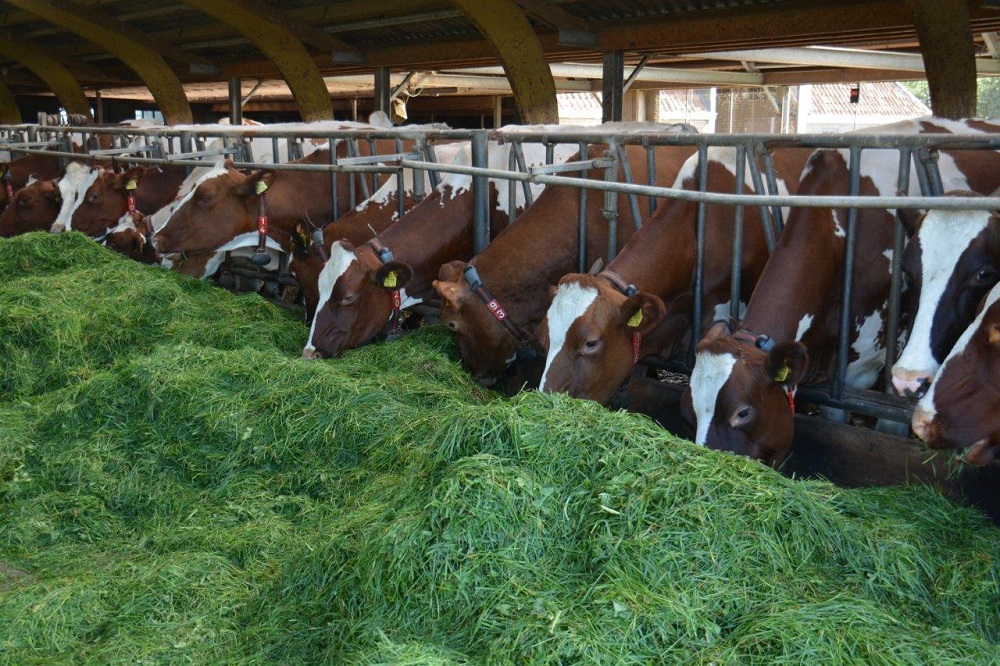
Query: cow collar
x,y
764,343
621,398
8,184
525,348
260,257
385,255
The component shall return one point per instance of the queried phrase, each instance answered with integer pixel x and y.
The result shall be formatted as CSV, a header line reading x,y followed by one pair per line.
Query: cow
x,y
951,261
34,208
363,289
495,303
16,173
371,217
961,408
598,327
741,394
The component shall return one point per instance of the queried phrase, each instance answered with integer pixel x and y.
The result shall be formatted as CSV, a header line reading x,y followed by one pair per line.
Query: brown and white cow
x,y
739,399
951,261
19,171
34,208
961,409
515,272
358,285
591,330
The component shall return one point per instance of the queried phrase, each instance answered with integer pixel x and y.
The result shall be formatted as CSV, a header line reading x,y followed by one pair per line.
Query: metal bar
x,y
735,282
765,211
518,151
550,150
929,158
235,103
611,87
334,195
578,165
400,193
699,266
896,272
373,152
772,188
635,72
377,159
633,199
354,151
511,185
844,341
480,194
581,233
610,211
429,156
651,175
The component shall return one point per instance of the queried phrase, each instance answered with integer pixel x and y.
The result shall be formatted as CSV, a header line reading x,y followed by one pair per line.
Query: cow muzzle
x,y
923,425
910,384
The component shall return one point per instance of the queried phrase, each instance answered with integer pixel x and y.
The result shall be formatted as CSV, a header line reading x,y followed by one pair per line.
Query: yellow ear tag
x,y
782,373
635,320
131,184
390,280
260,187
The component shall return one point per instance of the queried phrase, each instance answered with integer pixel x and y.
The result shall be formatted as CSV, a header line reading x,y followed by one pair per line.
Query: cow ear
x,y
910,219
452,271
301,237
452,292
641,312
786,363
393,275
596,268
993,333
258,182
542,334
717,330
130,179
993,234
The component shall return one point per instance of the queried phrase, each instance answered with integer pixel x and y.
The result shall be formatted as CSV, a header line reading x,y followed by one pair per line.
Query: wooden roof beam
x,y
66,89
142,59
281,46
9,113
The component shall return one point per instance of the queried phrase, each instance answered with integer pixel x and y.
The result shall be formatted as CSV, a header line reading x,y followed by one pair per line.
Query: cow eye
x,y
987,276
590,346
94,197
349,299
743,417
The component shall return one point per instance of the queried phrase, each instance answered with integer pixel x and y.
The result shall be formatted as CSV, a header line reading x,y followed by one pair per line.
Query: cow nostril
x,y
922,386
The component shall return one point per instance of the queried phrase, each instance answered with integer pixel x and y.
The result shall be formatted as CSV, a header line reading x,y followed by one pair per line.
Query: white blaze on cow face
x,y
943,237
568,305
73,188
340,260
711,371
184,193
804,325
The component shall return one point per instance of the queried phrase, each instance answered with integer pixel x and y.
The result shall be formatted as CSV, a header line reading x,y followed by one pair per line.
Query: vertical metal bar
x,y
844,343
334,194
518,151
581,235
610,211
186,144
765,211
929,158
633,199
920,170
480,193
550,152
359,178
383,91
235,102
651,174
772,188
511,185
735,282
400,194
699,266
275,157
429,156
896,279
373,150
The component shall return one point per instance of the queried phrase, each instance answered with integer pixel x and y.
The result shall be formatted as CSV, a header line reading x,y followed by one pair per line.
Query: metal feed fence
x,y
194,147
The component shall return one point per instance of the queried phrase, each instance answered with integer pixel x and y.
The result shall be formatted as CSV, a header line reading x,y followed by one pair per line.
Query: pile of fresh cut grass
x,y
218,500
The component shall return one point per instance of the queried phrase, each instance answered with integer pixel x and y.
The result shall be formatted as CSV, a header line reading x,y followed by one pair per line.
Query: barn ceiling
x,y
432,37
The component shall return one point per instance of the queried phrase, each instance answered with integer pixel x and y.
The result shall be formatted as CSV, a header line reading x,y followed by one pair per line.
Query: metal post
x,y
518,151
581,258
772,188
844,343
383,92
737,270
511,185
235,101
480,193
610,211
633,199
651,175
98,107
612,84
896,280
758,187
334,196
699,266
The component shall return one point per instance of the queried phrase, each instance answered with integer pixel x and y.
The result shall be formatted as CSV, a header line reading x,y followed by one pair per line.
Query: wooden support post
x,y
611,86
944,29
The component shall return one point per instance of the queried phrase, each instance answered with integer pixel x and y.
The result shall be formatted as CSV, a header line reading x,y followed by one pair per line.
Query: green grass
x,y
178,486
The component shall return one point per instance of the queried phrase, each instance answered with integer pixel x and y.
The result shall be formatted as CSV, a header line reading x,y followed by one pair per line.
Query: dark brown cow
x,y
521,264
739,397
35,207
591,345
358,285
41,167
129,238
962,408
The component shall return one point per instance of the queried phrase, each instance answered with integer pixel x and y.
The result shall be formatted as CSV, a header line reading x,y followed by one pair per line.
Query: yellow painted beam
x,y
507,29
52,72
163,84
9,115
284,50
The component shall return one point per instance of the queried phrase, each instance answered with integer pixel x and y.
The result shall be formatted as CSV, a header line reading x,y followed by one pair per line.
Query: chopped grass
x,y
177,485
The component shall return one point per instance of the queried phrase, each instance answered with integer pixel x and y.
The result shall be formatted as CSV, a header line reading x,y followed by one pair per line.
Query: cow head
x,y
739,396
221,207
355,299
34,208
487,347
589,332
961,409
94,199
951,261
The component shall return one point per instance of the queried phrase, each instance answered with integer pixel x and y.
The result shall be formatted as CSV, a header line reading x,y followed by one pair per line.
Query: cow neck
x,y
621,398
385,255
525,346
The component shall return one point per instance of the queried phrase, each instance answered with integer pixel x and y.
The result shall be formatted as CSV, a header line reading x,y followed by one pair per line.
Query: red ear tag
x,y
791,399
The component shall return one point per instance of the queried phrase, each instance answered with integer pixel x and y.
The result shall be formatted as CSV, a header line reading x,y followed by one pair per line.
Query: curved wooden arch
x,y
118,40
283,49
9,113
53,73
507,29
